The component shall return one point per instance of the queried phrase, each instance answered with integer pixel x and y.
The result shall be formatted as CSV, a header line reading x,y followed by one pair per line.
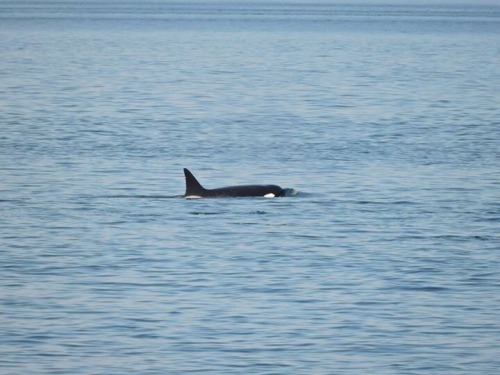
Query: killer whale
x,y
195,190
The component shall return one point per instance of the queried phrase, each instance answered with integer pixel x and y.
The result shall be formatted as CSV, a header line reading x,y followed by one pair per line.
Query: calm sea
x,y
384,119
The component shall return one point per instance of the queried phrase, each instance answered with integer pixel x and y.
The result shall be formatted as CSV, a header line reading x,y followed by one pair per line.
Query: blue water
x,y
384,119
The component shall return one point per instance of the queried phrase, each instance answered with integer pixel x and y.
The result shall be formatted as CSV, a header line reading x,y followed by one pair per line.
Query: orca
x,y
195,190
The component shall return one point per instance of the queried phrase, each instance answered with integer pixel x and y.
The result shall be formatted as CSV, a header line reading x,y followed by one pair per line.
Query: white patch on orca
x,y
270,195
193,197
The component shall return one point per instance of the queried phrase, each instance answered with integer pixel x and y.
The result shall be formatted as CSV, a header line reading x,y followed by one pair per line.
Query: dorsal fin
x,y
193,187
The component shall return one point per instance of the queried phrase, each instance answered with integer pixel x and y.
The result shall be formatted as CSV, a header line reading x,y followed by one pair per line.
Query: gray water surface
x,y
385,121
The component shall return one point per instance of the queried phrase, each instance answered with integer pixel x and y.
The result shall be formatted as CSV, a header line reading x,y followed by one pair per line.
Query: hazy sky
x,y
417,2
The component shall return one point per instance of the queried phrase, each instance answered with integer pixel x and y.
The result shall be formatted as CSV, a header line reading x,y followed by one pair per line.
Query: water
x,y
383,118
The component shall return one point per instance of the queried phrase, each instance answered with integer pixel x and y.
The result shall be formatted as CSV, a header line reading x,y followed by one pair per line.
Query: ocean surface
x,y
384,120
